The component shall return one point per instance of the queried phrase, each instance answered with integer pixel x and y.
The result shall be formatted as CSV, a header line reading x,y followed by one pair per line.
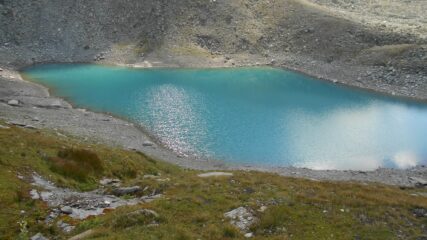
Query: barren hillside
x,y
376,44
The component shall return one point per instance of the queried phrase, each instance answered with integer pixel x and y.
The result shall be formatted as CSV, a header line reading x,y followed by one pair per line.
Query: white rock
x,y
38,236
215,174
13,102
34,194
262,209
147,144
249,235
4,127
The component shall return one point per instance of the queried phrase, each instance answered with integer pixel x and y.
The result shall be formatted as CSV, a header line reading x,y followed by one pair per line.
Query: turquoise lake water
x,y
255,116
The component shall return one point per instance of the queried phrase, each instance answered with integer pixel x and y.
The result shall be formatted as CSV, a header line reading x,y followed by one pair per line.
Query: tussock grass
x,y
78,164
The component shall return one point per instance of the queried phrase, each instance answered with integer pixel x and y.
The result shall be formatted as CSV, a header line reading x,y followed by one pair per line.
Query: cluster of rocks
x,y
80,205
242,218
99,57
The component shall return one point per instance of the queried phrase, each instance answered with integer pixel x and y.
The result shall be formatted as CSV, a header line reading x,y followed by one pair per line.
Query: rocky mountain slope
x,y
377,44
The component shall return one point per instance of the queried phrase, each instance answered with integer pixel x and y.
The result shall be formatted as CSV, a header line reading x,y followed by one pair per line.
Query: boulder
x,y
13,102
67,210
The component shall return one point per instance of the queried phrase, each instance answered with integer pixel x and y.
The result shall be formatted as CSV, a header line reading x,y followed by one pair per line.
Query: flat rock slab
x,y
215,174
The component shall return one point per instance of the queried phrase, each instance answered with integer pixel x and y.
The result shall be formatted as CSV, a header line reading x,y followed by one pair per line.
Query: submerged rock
x,y
215,174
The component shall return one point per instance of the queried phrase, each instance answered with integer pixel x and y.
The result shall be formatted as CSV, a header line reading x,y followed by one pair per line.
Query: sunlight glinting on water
x,y
256,116
173,117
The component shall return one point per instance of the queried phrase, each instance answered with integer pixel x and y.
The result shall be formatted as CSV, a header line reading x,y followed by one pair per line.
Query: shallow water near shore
x,y
257,116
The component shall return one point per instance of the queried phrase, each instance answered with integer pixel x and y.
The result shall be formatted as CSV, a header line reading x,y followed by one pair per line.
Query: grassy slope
x,y
193,207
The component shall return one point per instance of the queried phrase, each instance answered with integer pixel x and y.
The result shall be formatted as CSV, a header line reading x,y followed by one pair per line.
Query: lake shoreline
x,y
36,102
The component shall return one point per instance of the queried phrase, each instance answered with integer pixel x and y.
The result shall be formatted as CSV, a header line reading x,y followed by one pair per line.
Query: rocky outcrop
x,y
80,205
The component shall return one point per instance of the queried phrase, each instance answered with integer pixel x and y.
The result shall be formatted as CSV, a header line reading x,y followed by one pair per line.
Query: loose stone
x,y
38,236
67,210
147,144
34,194
13,102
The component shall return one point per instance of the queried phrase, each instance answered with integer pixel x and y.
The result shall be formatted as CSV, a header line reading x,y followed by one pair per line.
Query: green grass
x,y
193,207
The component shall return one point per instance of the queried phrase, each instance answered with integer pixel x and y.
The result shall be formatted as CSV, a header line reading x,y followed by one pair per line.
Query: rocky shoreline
x,y
29,105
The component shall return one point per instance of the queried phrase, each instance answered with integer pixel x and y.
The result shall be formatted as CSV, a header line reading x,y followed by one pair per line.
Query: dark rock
x,y
419,212
126,190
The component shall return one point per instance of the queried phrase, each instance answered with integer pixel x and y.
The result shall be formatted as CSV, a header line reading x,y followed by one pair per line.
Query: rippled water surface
x,y
257,116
